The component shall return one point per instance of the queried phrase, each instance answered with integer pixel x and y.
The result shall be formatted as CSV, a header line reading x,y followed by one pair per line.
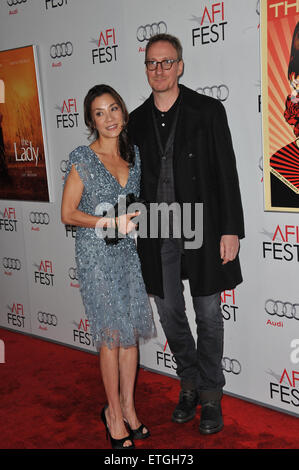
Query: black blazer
x,y
204,171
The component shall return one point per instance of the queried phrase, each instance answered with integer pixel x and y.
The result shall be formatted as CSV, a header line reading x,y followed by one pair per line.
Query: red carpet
x,y
51,397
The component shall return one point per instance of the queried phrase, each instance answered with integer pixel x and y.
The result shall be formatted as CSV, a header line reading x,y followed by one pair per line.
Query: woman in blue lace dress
x,y
111,284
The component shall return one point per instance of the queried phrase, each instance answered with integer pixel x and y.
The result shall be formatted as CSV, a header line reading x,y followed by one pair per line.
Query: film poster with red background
x,y
280,103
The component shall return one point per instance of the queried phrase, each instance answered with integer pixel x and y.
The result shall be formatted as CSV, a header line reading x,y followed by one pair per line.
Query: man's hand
x,y
229,247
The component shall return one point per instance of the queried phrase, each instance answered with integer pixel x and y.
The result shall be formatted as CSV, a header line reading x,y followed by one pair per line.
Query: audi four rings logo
x,y
73,274
11,263
144,33
15,2
63,166
47,318
258,7
220,92
61,50
39,218
231,365
282,309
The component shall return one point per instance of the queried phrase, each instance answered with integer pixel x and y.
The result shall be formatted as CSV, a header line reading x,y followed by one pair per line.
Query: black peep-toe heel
x,y
138,433
115,443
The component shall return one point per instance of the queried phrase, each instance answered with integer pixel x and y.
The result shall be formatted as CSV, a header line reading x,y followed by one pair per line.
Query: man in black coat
x,y
187,158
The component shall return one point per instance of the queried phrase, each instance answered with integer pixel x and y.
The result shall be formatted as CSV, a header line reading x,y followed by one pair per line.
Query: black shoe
x,y
211,417
115,443
186,408
139,432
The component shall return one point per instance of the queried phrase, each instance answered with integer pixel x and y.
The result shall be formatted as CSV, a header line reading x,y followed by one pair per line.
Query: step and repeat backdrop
x,y
79,44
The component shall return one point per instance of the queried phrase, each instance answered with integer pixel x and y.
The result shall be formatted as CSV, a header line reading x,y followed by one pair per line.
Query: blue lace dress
x,y
113,292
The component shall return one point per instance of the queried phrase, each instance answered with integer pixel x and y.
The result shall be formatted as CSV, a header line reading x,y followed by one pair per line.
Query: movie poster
x,y
23,159
280,103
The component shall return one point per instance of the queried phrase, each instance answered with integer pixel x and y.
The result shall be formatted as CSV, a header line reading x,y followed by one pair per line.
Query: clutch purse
x,y
120,208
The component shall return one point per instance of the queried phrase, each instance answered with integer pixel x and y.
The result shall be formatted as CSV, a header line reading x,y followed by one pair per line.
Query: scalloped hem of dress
x,y
118,343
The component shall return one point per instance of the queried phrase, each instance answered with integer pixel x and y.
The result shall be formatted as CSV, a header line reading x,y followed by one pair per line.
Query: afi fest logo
x,y
15,315
106,50
286,391
284,244
211,25
68,115
8,220
286,387
70,231
44,274
165,359
228,305
55,3
81,333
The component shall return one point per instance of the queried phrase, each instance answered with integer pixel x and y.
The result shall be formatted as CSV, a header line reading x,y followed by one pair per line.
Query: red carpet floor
x,y
51,397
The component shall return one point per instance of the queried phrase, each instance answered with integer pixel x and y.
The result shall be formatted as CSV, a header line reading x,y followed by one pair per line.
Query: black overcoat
x,y
204,171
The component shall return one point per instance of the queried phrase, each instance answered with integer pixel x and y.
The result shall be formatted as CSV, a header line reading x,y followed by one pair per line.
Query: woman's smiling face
x,y
107,116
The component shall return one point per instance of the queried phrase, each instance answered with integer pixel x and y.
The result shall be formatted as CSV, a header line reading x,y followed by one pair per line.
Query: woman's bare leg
x,y
128,359
109,363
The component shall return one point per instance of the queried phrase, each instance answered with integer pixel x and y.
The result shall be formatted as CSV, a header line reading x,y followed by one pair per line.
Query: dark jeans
x,y
198,365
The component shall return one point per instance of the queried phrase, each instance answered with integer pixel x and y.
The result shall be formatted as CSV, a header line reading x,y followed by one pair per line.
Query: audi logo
x,y
61,50
47,318
282,309
261,163
63,166
231,365
73,274
11,263
39,218
144,33
220,92
15,2
257,9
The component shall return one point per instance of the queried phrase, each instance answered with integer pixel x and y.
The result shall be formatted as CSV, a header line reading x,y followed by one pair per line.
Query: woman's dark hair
x,y
126,149
294,55
291,113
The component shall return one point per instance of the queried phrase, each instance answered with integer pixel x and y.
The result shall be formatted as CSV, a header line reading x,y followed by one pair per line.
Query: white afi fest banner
x,y
80,44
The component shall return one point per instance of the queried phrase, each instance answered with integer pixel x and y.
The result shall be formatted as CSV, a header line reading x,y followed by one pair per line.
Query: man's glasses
x,y
165,64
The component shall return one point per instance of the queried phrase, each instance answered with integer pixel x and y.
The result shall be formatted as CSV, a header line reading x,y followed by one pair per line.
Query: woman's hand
x,y
125,224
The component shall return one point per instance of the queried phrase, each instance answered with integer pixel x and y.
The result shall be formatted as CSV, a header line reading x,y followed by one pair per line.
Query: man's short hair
x,y
175,42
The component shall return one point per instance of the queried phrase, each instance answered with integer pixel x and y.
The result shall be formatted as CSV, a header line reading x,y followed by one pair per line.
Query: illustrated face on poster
x,y
292,104
23,168
285,162
280,57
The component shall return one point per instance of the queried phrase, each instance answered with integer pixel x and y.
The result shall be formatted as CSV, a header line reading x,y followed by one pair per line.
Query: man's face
x,y
163,80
